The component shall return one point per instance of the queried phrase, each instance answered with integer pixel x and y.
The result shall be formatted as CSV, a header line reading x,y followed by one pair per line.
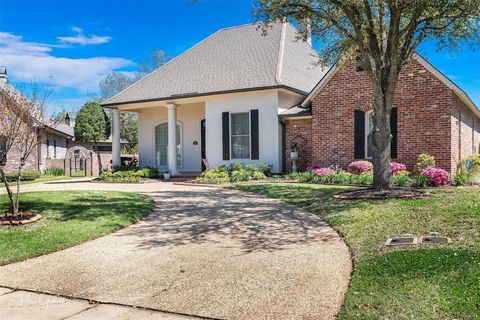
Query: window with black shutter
x,y
359,134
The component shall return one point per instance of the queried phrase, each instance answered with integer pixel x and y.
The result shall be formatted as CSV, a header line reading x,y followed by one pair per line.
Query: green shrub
x,y
240,175
251,168
147,172
460,179
363,179
54,172
24,176
258,175
402,179
424,161
266,169
236,167
216,175
422,181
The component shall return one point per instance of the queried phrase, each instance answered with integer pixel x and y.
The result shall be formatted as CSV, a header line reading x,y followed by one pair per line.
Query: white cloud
x,y
27,61
80,38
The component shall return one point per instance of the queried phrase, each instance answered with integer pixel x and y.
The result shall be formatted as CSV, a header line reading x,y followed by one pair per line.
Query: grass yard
x,y
39,180
425,282
69,218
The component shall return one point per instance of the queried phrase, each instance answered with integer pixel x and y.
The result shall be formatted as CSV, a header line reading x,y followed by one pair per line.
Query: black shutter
x,y
359,138
254,134
394,131
226,135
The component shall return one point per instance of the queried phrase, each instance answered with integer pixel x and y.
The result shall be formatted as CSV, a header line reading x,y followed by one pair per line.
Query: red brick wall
x,y
427,111
13,161
300,132
465,130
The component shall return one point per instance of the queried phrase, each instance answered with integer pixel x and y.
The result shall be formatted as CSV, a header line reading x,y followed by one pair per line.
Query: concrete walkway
x,y
204,252
21,305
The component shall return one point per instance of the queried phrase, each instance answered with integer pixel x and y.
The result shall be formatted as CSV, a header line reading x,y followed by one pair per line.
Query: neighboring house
x,y
53,146
56,142
238,96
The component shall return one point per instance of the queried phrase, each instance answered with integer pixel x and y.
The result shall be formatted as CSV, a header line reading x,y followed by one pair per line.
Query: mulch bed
x,y
371,194
18,219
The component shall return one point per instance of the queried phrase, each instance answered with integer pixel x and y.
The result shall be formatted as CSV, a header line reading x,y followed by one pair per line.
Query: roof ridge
x,y
281,50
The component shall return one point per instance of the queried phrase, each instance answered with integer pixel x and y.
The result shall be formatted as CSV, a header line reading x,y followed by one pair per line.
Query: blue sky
x,y
74,44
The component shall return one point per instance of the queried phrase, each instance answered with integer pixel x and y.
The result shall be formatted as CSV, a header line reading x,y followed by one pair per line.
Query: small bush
x,y
402,178
258,175
54,172
216,175
397,167
319,171
359,167
250,167
236,167
424,161
266,169
436,177
24,176
147,172
460,179
240,175
422,181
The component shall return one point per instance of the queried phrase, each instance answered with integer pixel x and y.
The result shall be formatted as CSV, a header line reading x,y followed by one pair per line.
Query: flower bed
x,y
237,172
130,176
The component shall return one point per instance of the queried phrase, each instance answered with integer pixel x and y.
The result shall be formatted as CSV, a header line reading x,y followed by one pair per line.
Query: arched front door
x,y
161,145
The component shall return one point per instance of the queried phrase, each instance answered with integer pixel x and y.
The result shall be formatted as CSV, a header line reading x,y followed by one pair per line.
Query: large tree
x,y
383,35
92,124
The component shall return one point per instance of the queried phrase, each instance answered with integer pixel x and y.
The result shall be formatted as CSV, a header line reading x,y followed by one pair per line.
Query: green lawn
x,y
39,180
69,218
427,282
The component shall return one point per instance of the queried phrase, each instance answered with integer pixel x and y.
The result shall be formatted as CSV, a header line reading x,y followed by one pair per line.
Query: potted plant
x,y
166,175
294,151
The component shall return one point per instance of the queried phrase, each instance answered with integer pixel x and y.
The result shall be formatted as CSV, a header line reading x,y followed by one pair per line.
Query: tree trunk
x,y
99,158
9,191
381,136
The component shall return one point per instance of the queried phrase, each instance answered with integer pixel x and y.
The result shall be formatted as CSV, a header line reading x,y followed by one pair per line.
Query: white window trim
x,y
180,166
367,125
249,135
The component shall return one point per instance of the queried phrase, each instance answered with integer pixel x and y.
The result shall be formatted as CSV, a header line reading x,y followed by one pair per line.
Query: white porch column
x,y
116,157
172,138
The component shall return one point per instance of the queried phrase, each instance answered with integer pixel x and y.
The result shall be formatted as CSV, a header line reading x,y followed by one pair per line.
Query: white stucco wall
x,y
267,103
190,115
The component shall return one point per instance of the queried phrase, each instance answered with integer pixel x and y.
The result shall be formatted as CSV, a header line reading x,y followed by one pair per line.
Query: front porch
x,y
171,137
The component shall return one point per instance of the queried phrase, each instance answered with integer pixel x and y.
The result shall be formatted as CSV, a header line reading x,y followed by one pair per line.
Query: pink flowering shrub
x,y
319,171
359,167
437,177
396,167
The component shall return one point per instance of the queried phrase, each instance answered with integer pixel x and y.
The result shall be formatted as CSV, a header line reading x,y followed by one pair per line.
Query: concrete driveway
x,y
203,251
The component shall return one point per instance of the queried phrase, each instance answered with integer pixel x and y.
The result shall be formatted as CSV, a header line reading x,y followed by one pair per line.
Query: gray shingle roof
x,y
232,59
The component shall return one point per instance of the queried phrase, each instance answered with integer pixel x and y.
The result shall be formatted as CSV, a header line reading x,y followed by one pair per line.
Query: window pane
x,y
240,147
240,123
161,144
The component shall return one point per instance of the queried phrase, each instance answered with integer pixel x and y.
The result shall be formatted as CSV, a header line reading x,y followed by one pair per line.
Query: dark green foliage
x,y
422,181
134,175
460,179
54,172
24,176
92,123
